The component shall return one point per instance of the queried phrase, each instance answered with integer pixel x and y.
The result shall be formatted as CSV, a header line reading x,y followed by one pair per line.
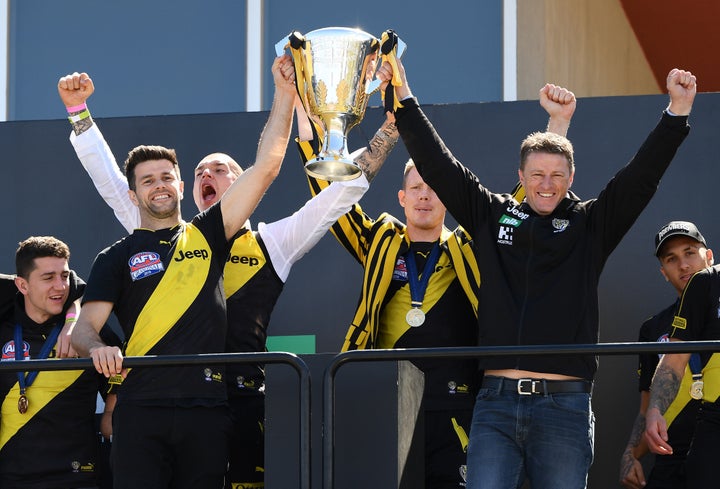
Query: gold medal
x,y
22,404
696,389
415,317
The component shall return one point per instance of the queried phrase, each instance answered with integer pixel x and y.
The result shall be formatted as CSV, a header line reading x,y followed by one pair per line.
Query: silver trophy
x,y
337,65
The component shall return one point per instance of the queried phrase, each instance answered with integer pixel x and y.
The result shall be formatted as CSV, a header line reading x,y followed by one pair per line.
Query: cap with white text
x,y
677,228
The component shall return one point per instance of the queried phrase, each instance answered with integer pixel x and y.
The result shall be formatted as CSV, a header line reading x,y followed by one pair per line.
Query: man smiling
x,y
47,427
540,272
255,271
171,425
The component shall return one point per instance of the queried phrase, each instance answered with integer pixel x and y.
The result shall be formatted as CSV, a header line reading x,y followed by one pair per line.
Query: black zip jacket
x,y
540,273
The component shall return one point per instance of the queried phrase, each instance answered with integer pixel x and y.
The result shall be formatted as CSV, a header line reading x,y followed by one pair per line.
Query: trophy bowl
x,y
338,64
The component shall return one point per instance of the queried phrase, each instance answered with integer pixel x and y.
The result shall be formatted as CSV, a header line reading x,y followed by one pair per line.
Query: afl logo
x,y
145,264
8,351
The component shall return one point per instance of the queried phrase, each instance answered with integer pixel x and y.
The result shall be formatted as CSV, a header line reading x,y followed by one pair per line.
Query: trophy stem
x,y
334,162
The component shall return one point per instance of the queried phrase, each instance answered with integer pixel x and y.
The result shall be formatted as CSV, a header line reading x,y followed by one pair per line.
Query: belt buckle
x,y
526,387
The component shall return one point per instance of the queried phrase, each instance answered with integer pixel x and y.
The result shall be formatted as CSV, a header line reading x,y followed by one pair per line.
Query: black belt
x,y
537,386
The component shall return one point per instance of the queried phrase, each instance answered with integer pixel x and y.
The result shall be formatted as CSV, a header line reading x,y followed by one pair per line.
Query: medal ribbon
x,y
418,286
695,367
23,380
695,364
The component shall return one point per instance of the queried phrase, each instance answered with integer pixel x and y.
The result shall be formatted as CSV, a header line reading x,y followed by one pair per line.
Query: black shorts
x,y
247,442
446,447
178,447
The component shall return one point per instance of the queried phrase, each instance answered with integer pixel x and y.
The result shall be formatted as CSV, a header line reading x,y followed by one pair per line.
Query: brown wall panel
x,y
587,46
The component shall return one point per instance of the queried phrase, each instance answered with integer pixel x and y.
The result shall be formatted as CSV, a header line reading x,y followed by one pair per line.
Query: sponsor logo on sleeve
x,y
145,264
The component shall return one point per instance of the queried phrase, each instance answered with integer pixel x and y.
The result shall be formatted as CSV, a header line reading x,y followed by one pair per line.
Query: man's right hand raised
x,y
75,89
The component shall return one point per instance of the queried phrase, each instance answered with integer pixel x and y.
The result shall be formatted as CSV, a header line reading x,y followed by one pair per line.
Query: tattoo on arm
x,y
665,386
82,125
380,146
637,431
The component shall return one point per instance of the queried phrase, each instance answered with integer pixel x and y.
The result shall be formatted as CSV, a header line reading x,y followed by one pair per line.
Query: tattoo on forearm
x,y
82,125
626,463
628,458
637,431
665,387
380,146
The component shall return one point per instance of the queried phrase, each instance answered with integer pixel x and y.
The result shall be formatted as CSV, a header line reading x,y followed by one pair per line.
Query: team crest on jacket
x,y
560,225
8,351
144,264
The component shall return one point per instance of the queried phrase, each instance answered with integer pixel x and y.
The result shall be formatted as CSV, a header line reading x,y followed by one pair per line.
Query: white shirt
x,y
286,240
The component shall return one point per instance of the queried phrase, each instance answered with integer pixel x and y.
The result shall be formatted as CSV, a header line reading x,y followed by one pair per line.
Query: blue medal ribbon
x,y
419,285
24,380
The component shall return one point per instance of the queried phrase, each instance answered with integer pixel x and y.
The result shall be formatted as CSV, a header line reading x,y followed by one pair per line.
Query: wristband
x,y
76,108
78,117
70,317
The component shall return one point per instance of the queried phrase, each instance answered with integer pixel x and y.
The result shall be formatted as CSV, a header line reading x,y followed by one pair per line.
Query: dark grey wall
x,y
188,56
47,192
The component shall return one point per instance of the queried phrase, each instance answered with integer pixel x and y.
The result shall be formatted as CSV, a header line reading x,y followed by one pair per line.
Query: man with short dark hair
x,y
255,273
681,250
47,427
171,424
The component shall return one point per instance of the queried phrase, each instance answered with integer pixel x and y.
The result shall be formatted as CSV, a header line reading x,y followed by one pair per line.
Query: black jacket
x,y
539,274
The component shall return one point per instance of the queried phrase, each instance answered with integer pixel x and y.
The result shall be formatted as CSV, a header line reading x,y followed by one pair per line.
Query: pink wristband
x,y
76,108
70,315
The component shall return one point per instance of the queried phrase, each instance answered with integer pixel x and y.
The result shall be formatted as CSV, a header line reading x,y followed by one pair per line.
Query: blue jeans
x,y
547,438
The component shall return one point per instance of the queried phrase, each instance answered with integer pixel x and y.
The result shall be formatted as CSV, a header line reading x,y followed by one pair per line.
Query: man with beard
x,y
164,282
259,263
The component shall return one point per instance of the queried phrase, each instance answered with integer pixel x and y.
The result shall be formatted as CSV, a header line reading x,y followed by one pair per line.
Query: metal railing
x,y
207,358
328,398
328,444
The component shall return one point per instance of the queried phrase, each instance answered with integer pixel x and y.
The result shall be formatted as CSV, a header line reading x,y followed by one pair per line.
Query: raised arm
x,y
245,193
682,88
92,150
560,104
372,157
289,239
352,226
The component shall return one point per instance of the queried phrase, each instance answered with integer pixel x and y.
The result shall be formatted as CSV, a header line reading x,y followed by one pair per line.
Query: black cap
x,y
677,228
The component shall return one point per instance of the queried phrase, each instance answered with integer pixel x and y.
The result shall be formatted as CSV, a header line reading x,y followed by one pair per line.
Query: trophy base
x,y
332,169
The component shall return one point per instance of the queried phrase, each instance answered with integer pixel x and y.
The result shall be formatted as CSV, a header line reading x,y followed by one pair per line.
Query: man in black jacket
x,y
540,261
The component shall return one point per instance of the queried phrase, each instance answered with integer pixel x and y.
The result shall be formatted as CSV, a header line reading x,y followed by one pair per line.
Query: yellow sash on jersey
x,y
46,386
236,276
681,399
176,291
711,379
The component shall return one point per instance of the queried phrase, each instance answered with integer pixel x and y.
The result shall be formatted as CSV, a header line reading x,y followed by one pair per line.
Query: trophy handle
x,y
374,85
281,45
